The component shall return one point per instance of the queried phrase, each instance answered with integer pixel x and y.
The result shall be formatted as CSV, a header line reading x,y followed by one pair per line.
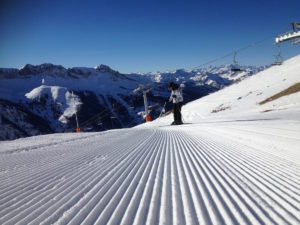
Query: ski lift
x,y
235,66
144,90
293,36
278,58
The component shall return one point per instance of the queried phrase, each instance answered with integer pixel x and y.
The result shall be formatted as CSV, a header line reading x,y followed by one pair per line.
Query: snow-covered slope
x,y
239,165
245,100
171,175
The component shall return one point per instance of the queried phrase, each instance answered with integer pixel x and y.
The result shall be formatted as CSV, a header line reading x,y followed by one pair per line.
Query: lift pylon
x,y
144,90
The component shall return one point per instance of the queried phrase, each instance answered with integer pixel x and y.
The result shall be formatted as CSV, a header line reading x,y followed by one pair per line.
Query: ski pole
x,y
163,109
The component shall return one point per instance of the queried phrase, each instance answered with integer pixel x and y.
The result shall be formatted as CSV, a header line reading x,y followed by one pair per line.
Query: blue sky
x,y
140,35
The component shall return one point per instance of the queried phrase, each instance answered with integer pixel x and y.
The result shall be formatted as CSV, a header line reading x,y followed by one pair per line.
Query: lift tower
x,y
144,90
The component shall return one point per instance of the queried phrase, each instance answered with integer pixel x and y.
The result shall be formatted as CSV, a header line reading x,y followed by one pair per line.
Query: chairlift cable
x,y
102,114
233,52
93,117
254,44
105,111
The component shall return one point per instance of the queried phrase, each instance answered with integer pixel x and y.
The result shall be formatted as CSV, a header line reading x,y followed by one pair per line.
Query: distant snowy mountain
x,y
103,97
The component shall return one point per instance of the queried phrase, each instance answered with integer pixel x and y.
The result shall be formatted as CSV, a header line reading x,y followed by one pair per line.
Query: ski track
x,y
166,175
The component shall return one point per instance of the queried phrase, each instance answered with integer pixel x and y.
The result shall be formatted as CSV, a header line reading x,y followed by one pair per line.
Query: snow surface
x,y
68,103
233,162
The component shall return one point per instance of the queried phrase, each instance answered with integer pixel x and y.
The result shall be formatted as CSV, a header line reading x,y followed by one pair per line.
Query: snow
x,y
237,165
68,103
102,81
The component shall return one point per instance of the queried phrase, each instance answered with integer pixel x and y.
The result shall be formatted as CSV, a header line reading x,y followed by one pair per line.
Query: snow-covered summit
x,y
49,68
66,104
104,69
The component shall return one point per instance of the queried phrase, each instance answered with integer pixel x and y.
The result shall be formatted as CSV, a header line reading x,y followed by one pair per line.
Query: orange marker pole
x,y
148,118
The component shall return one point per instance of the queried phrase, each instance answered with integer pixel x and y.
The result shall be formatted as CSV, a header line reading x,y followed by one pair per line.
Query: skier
x,y
176,97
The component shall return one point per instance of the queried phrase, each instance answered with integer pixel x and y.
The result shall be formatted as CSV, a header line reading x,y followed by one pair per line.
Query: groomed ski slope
x,y
229,167
153,176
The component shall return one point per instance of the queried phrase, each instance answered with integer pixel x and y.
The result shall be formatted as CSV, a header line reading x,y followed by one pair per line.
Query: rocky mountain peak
x,y
105,69
48,68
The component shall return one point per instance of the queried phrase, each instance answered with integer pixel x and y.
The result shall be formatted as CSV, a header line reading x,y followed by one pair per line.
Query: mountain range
x,y
42,99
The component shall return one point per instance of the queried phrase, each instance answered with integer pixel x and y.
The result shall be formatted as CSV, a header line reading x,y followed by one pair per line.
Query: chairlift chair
x,y
278,58
235,66
296,41
277,62
235,69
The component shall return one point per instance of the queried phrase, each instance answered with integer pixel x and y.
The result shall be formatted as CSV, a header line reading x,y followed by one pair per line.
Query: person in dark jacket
x,y
177,99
